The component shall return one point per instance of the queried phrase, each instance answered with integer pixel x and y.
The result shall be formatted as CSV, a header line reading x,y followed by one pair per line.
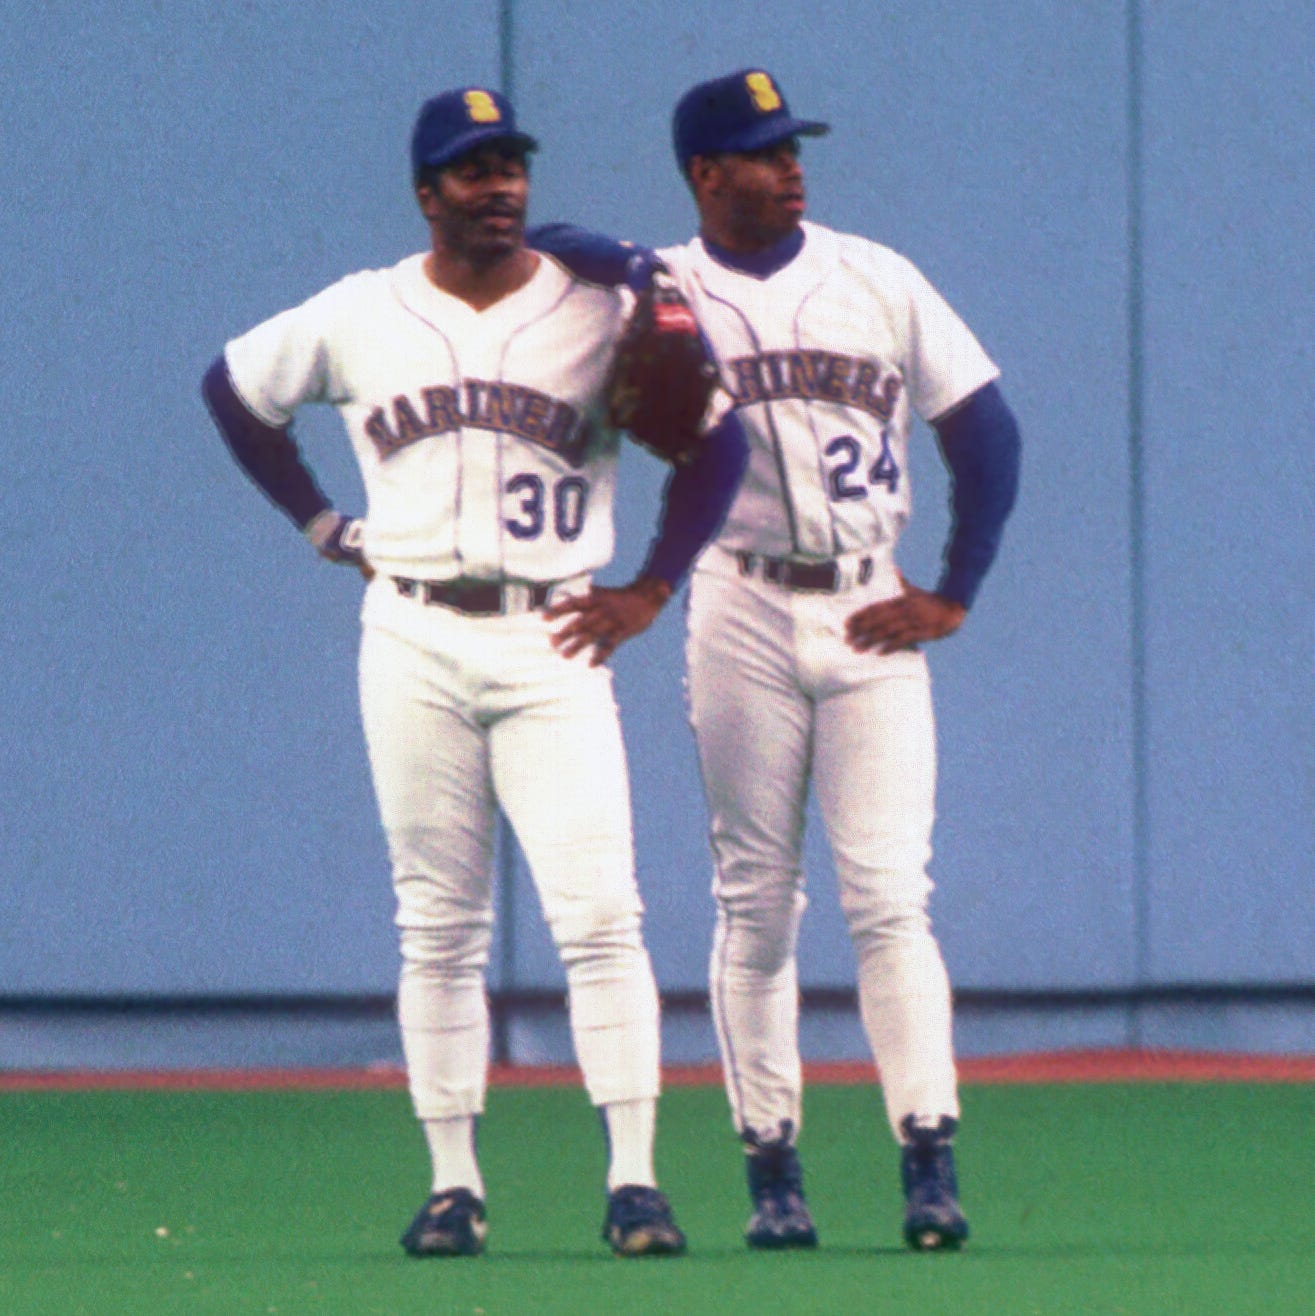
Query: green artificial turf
x,y
1134,1198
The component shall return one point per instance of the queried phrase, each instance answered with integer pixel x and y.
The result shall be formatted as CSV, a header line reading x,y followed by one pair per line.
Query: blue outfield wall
x,y
1115,196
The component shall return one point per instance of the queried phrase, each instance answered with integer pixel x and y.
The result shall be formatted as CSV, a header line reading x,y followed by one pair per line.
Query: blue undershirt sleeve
x,y
696,500
980,442
592,256
267,454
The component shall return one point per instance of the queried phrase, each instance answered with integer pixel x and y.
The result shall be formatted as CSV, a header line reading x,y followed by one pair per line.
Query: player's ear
x,y
704,171
426,190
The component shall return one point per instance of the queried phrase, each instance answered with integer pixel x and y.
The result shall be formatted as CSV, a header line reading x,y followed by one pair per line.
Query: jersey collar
x,y
760,264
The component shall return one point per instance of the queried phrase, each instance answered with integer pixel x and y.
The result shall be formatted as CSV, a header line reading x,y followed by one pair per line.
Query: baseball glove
x,y
664,377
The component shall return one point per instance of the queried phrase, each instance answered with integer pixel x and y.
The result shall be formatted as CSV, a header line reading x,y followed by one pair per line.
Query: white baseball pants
x,y
779,700
462,714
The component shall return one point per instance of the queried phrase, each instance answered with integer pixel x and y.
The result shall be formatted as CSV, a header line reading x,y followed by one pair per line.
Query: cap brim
x,y
758,136
778,130
474,140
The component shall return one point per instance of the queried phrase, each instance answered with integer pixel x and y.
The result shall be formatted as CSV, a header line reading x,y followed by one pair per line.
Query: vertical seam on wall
x,y
508,970
1136,522
506,68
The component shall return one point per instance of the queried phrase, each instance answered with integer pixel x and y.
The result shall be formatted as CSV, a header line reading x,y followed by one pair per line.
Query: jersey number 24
x,y
843,480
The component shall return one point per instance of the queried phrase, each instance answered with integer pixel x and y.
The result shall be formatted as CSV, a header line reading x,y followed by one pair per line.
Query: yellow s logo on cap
x,y
481,108
765,96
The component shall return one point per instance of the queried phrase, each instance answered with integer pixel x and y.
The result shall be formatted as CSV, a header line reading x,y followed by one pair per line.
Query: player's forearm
x,y
267,454
981,445
696,500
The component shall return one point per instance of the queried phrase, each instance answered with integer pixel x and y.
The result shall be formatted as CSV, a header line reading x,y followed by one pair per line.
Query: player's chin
x,y
781,219
493,244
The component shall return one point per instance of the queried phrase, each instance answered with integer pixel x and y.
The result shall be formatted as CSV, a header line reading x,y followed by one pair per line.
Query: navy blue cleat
x,y
639,1223
932,1218
776,1184
450,1224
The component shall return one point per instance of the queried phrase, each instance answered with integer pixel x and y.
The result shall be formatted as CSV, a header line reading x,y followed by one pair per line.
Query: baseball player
x,y
472,381
804,640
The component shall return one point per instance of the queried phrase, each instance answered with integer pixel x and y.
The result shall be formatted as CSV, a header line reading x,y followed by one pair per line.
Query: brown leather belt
x,y
821,577
476,598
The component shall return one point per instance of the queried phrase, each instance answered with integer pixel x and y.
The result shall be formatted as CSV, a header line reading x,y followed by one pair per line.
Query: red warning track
x,y
1048,1067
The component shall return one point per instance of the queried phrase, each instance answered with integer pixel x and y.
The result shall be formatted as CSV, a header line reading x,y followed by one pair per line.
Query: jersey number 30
x,y
568,498
842,479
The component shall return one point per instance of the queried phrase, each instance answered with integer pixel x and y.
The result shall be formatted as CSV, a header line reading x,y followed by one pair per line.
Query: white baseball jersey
x,y
827,361
515,476
483,448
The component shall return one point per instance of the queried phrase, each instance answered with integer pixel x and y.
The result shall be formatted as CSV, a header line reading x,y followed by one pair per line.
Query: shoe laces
x,y
773,1165
634,1204
453,1201
928,1161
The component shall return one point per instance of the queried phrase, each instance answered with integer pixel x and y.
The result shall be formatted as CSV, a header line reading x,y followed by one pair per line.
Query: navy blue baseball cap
x,y
458,121
744,111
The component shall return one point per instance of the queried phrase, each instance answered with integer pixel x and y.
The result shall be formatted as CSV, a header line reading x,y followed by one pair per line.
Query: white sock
x,y
630,1130
452,1152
